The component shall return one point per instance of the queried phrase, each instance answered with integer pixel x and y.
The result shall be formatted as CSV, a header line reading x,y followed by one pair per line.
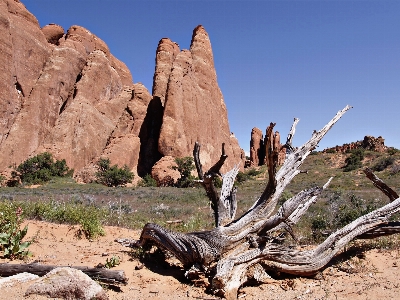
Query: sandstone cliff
x,y
194,108
65,93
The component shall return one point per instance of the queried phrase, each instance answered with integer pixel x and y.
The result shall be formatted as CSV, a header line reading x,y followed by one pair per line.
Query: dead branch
x,y
245,248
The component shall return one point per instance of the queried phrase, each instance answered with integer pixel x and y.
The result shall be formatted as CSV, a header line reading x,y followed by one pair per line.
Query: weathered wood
x,y
100,274
241,249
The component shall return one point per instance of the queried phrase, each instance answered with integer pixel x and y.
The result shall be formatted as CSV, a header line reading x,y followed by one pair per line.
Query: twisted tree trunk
x,y
244,248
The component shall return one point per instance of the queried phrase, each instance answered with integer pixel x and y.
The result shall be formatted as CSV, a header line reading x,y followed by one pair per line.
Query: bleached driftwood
x,y
245,248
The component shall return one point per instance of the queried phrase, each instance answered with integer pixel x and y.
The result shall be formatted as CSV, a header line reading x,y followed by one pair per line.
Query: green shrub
x,y
354,161
11,235
286,195
147,181
242,177
383,163
392,151
39,169
217,182
112,175
185,166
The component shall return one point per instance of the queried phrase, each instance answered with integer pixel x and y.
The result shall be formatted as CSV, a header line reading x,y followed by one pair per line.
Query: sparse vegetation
x,y
147,181
112,176
38,170
112,262
11,235
383,163
354,161
185,166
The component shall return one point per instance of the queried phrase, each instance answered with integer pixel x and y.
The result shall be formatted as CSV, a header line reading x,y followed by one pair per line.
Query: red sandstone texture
x,y
65,93
194,108
368,143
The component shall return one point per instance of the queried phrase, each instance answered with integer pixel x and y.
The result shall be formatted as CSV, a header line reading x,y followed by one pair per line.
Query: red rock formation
x,y
257,151
23,52
194,105
53,33
67,94
60,93
162,171
165,56
368,143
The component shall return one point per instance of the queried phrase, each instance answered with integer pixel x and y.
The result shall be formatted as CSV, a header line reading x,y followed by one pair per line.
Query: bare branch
x,y
381,185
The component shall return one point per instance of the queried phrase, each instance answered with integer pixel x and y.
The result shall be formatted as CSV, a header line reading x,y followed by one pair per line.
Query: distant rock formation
x,y
65,93
194,108
258,149
368,143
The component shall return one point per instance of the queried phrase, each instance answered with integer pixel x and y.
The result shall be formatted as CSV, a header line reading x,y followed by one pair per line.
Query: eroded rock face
x,y
23,52
62,93
165,56
194,107
65,93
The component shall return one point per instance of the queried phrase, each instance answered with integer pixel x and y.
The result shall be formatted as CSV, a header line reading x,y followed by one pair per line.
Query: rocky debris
x,y
67,283
18,278
194,108
368,143
257,149
163,173
53,33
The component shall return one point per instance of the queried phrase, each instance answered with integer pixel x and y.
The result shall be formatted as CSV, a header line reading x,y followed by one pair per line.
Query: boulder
x,y
67,283
194,108
163,173
53,33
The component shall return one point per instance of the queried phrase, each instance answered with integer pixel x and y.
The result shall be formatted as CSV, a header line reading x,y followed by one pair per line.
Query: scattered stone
x,y
18,278
67,283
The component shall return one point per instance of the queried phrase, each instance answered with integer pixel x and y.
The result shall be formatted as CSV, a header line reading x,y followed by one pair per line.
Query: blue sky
x,y
275,60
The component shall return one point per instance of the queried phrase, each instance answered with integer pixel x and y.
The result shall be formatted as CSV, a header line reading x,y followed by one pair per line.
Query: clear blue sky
x,y
275,60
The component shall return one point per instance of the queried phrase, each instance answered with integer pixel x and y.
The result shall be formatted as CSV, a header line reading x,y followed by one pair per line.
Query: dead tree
x,y
241,249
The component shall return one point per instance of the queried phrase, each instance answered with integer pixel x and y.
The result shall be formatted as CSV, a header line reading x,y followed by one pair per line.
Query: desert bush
x,y
286,195
147,181
112,176
394,169
39,169
354,161
185,166
11,235
217,182
392,151
383,163
242,177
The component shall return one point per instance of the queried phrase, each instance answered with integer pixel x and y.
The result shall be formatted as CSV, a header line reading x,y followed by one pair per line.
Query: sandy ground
x,y
374,276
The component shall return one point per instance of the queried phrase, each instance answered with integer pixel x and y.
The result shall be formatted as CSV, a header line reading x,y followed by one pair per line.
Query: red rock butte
x,y
65,93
